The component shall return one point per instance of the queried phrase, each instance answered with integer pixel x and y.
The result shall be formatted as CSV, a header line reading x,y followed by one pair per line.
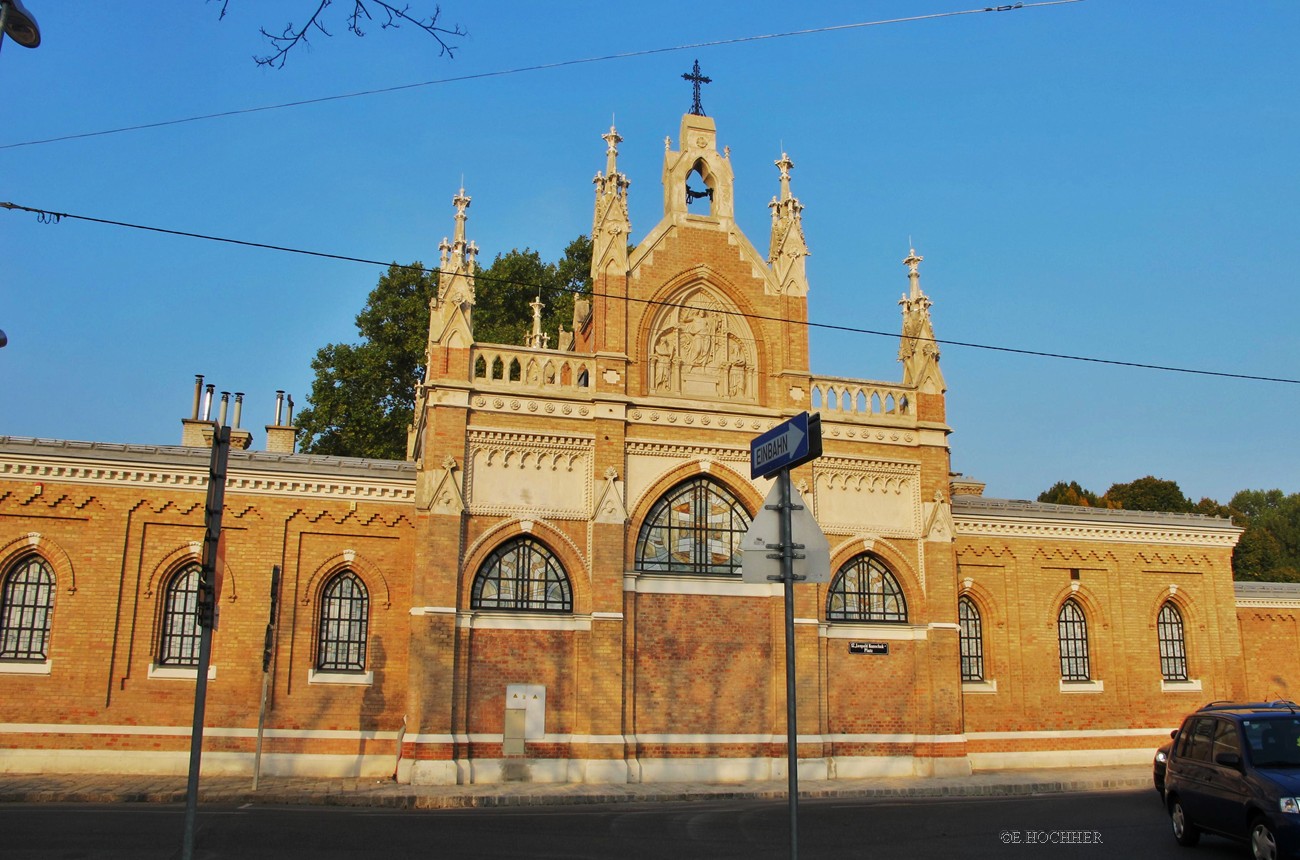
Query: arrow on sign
x,y
779,448
786,445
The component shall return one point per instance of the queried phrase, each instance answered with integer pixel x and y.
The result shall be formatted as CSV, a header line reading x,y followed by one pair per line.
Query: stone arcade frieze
x,y
512,474
882,496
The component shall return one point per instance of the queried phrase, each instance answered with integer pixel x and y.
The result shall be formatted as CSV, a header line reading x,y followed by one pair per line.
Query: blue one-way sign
x,y
786,445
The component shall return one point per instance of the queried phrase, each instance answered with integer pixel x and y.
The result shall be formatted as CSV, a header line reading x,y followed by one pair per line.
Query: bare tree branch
x,y
393,18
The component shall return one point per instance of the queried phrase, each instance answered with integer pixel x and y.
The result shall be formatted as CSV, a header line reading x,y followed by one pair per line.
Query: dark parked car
x,y
1234,770
1162,754
1158,766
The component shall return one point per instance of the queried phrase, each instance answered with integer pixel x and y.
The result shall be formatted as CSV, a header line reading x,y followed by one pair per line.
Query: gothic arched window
x,y
971,639
1173,651
1072,635
344,624
178,642
865,590
697,527
26,605
522,574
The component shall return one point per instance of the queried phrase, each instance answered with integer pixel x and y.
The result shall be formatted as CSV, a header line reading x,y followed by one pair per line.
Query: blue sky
x,y
1108,179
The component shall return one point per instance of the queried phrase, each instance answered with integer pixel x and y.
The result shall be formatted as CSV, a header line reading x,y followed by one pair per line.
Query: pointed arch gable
x,y
349,559
47,548
173,559
698,340
724,474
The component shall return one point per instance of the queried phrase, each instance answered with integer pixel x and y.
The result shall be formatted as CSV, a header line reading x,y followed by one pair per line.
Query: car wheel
x,y
1185,833
1263,843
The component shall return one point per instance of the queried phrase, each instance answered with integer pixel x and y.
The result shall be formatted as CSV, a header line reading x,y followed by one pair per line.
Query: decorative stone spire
x,y
611,225
788,248
451,310
538,340
458,260
918,351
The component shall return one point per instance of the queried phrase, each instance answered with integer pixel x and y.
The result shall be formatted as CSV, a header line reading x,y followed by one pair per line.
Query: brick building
x,y
549,587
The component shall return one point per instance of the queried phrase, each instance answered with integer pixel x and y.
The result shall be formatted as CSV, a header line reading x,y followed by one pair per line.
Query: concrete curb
x,y
72,788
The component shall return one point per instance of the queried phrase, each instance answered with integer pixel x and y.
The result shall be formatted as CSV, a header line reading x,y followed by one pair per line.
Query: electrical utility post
x,y
268,652
209,594
785,544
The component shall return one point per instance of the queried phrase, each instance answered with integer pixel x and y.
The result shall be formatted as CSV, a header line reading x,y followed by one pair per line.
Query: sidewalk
x,y
98,788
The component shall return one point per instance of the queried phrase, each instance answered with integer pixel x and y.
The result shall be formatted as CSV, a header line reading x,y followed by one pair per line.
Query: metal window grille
x,y
971,639
1173,652
26,605
1072,633
524,575
865,590
697,527
344,624
179,642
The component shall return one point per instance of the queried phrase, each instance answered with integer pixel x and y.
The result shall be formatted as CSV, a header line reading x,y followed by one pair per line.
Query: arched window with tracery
x,y
178,642
1072,636
697,527
1173,650
26,608
971,639
344,624
865,589
522,575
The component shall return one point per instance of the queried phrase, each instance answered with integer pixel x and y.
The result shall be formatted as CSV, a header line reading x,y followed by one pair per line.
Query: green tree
x,y
1269,549
1149,494
363,396
1062,493
505,290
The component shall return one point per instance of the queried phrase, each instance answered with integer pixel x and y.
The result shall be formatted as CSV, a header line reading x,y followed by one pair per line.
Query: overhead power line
x,y
47,216
538,68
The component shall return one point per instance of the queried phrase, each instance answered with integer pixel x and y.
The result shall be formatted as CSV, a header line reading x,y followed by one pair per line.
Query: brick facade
x,y
536,609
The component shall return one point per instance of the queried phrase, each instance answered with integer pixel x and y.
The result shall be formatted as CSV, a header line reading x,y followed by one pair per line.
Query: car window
x,y
1225,739
1196,743
1273,742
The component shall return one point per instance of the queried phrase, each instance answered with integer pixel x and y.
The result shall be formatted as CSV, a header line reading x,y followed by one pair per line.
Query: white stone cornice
x,y
1266,603
241,479
1112,532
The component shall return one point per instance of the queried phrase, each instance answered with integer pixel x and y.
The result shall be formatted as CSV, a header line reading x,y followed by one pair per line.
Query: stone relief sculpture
x,y
701,347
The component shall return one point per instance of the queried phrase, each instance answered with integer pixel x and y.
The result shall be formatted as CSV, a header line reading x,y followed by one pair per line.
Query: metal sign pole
x,y
785,550
791,724
207,619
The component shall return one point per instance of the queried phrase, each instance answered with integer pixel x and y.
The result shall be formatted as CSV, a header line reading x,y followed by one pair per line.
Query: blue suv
x,y
1234,770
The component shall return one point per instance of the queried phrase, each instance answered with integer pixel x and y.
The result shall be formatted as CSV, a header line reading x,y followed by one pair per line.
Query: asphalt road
x,y
1100,825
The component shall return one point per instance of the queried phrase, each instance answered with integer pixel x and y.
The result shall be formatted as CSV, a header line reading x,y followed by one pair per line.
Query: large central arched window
x,y
26,604
865,590
697,527
522,574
